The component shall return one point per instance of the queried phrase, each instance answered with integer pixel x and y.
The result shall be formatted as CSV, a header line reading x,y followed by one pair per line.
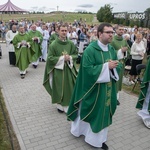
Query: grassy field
x,y
65,17
7,141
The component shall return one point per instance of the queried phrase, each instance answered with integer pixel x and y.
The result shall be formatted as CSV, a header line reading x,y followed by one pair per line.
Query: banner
x,y
131,16
138,16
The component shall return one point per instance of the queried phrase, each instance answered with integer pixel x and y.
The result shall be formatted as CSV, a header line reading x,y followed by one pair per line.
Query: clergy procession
x,y
87,95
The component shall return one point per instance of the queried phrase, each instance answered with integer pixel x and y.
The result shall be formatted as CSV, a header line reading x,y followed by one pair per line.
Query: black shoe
x,y
60,111
118,103
35,66
104,146
43,60
22,76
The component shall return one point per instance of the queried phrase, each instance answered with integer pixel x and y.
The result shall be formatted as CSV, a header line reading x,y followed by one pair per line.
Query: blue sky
x,y
86,5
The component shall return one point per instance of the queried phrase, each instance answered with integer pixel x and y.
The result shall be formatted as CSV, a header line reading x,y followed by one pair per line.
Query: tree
x,y
147,10
147,20
104,14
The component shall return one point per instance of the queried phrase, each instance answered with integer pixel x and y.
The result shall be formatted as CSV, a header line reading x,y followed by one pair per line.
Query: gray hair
x,y
127,35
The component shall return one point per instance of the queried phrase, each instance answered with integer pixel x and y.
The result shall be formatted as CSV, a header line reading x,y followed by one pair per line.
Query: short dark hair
x,y
61,25
101,27
20,26
119,25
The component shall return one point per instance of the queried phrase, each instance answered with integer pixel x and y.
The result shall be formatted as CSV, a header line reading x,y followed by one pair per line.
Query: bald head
x,y
33,27
14,28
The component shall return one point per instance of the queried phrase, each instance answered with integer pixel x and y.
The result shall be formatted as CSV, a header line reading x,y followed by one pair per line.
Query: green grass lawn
x,y
5,143
65,17
128,89
4,138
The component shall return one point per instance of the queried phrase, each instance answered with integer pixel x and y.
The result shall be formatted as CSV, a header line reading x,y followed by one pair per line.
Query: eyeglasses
x,y
108,32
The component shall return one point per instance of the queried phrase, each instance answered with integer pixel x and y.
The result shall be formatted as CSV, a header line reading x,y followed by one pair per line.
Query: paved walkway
x,y
39,126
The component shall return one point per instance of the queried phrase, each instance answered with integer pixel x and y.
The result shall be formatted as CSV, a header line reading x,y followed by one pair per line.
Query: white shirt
x,y
136,49
73,37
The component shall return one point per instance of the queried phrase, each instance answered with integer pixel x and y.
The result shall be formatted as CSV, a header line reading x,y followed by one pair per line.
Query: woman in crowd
x,y
72,35
83,39
133,35
3,30
93,36
137,52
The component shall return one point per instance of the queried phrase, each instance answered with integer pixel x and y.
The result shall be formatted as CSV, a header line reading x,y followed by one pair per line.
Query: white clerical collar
x,y
102,46
63,40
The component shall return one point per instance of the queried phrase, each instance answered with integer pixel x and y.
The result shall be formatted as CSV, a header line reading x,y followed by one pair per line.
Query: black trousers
x,y
12,58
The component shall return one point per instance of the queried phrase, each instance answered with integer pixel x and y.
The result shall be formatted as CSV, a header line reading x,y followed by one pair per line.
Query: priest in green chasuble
x,y
60,72
144,97
94,99
37,39
122,48
23,51
54,35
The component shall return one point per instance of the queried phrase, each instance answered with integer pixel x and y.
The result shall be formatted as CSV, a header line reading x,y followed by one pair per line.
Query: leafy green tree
x,y
147,10
132,23
147,22
104,14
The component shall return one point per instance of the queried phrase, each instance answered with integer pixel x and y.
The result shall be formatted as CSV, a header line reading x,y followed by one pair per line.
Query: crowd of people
x,y
90,96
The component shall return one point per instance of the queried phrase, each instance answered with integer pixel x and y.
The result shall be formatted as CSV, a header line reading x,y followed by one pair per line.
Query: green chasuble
x,y
35,45
62,80
144,87
117,43
23,53
98,100
53,37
